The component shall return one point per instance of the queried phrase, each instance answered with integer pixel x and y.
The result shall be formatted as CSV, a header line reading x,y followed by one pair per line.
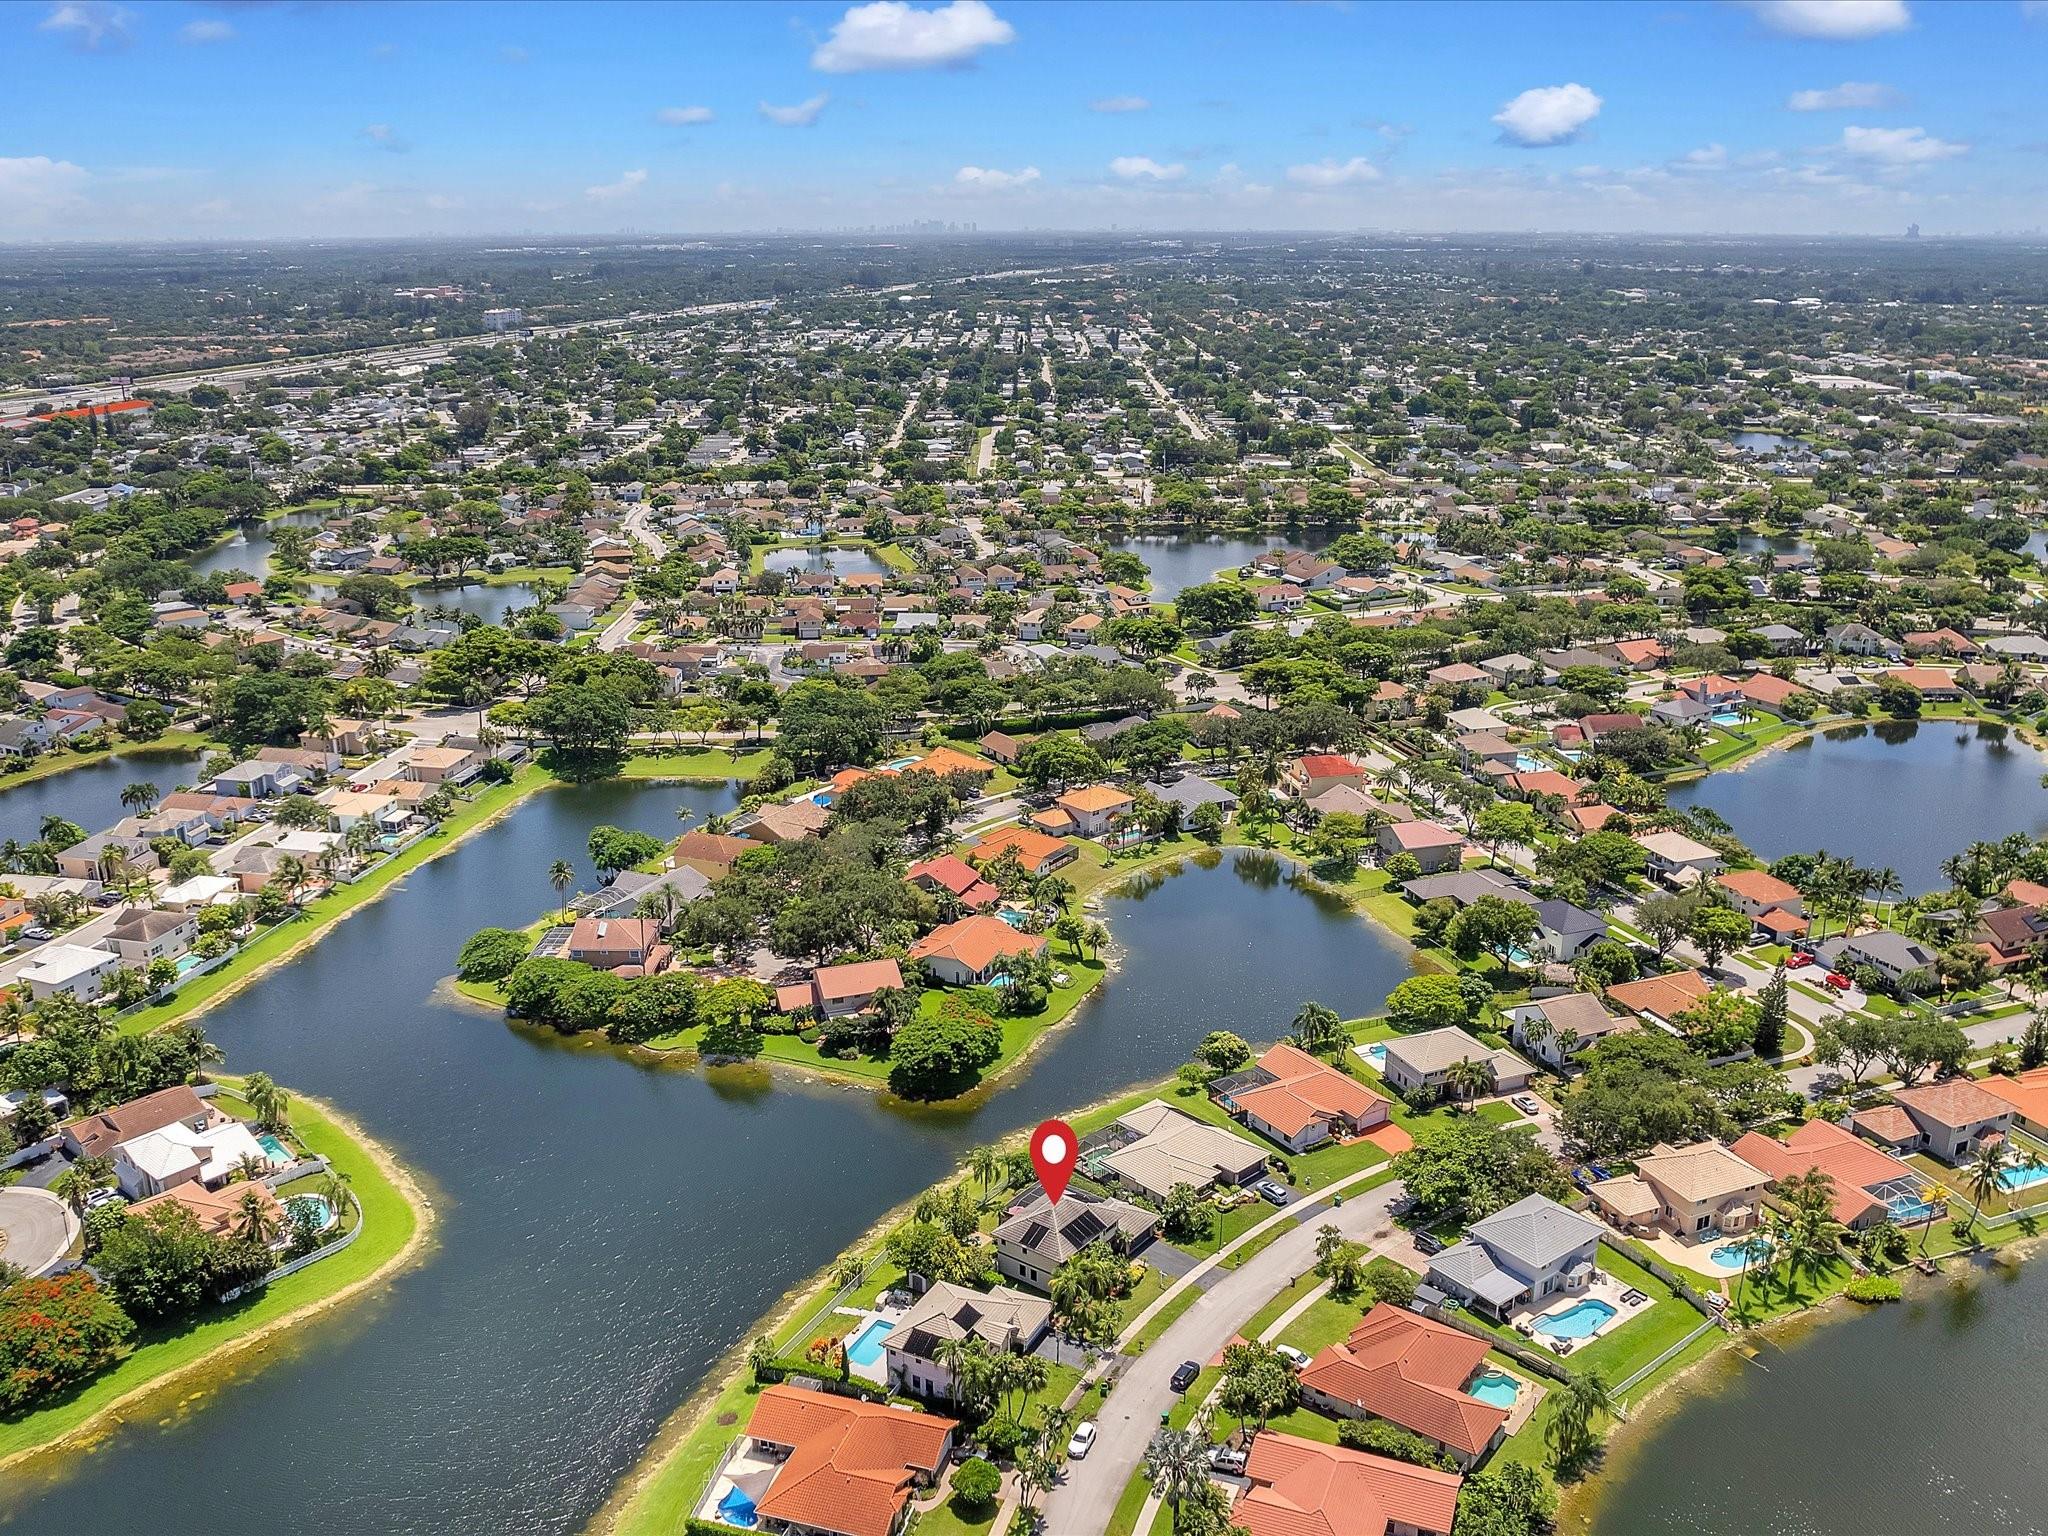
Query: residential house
x,y
1773,905
842,1466
1037,854
1565,931
142,935
711,854
2008,935
1892,955
1677,859
1008,1321
1869,1186
1659,999
1411,1371
972,951
1433,846
1297,1487
71,970
1037,1235
951,875
1298,1101
1094,809
98,1134
1559,1030
1155,1146
1308,776
2027,1093
1700,1188
1420,1064
1954,1116
626,945
834,990
180,1153
1522,1253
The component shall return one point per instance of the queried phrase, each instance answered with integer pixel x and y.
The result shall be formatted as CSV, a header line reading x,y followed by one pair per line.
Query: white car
x,y
1292,1356
1084,1437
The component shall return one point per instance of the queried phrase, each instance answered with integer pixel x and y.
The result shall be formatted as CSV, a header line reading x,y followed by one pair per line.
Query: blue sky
x,y
1709,116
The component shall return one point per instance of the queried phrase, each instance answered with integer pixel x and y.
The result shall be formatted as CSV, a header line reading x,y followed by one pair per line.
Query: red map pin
x,y
1054,1150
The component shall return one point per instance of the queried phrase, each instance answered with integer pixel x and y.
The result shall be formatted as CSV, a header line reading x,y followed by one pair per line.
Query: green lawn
x,y
286,937
711,763
953,1518
389,1221
1326,1321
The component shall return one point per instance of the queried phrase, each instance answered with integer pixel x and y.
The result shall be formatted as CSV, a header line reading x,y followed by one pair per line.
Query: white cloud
x,y
208,29
1896,147
1549,114
802,115
628,183
1119,104
1708,157
1836,20
385,137
890,34
1849,96
976,178
1145,168
35,188
1334,173
682,117
91,26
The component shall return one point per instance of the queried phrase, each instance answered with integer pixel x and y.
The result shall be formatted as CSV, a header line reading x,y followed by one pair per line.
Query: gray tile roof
x,y
1535,1230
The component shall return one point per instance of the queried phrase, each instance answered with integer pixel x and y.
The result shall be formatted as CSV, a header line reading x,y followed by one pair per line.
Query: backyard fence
x,y
305,1259
1664,1272
1521,1354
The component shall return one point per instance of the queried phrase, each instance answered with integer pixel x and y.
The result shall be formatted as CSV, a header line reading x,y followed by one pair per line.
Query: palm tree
x,y
267,1099
82,1180
139,797
985,1163
255,1219
1094,936
561,875
1177,1462
292,876
1570,1431
1317,1029
1986,1172
1052,891
1469,1078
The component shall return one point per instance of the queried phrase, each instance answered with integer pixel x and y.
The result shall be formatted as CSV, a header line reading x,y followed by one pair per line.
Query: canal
x,y
1179,560
1922,1417
607,1229
90,794
1899,793
249,547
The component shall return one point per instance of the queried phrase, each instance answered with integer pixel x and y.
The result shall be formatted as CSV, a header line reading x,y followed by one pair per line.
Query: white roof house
x,y
177,1154
69,968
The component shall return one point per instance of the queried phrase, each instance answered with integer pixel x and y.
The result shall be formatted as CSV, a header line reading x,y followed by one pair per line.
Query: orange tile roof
x,y
952,873
1094,797
976,942
1957,1102
1758,886
1304,1091
1853,1167
1301,1488
944,760
1412,1371
851,1464
1033,848
1664,996
2026,1093
1329,765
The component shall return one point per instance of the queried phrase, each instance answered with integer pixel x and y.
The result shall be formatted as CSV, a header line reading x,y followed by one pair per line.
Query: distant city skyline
x,y
240,121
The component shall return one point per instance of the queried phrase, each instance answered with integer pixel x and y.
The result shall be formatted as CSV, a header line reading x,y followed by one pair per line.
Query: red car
x,y
1838,982
1801,957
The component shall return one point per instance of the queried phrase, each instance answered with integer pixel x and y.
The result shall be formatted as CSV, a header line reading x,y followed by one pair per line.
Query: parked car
x,y
1527,1103
1184,1375
1800,957
1299,1359
1227,1459
1273,1190
1428,1243
1837,981
1083,1440
37,935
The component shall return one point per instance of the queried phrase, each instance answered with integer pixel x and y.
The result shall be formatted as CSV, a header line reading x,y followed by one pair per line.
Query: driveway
x,y
36,1229
1081,1505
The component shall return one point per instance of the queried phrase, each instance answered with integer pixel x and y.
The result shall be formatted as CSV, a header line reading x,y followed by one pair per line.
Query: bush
x,y
976,1483
1873,1290
491,955
1385,1439
55,1332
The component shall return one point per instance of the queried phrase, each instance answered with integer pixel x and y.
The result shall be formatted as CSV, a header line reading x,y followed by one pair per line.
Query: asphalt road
x,y
35,1229
1081,1505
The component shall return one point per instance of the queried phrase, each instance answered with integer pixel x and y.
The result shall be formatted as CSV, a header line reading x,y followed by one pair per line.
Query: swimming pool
x,y
1725,717
279,1152
866,1346
321,1211
1732,1255
1375,1055
736,1508
1497,1389
1528,762
1014,917
2020,1177
1905,1209
1581,1320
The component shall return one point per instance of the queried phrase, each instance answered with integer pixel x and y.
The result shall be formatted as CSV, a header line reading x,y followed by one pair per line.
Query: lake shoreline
x,y
120,1410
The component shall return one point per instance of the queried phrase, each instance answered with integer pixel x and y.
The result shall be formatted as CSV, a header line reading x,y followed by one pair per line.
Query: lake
x,y
1907,794
1773,543
1763,444
90,794
608,1230
489,603
1923,1417
1179,560
840,562
248,548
